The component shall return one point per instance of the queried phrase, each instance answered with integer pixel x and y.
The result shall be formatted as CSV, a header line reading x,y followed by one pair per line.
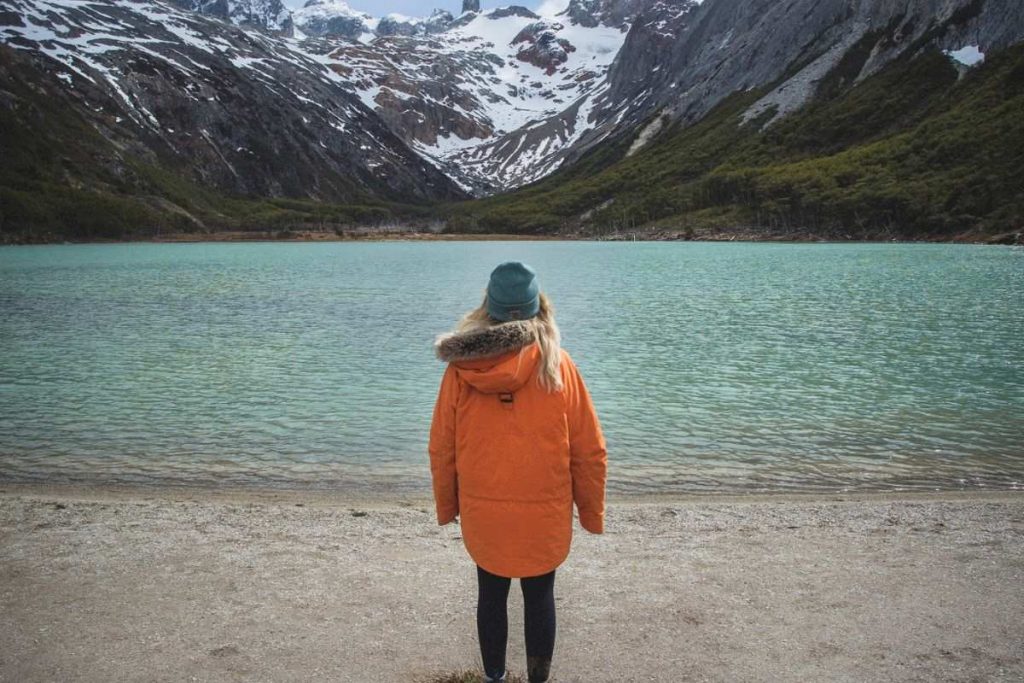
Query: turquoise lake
x,y
713,367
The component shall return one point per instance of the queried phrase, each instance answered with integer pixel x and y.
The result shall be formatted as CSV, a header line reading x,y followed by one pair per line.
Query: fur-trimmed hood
x,y
496,359
495,340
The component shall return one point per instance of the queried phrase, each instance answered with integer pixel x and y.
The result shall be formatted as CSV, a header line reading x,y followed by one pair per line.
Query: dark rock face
x,y
270,15
542,47
512,11
327,19
681,58
593,13
253,117
470,6
584,12
335,27
422,95
692,56
322,18
211,8
438,21
463,20
389,26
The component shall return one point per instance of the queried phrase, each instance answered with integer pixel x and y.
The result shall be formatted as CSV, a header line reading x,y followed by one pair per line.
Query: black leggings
x,y
492,617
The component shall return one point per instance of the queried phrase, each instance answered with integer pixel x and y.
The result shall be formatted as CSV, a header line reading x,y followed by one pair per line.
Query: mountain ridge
x,y
223,96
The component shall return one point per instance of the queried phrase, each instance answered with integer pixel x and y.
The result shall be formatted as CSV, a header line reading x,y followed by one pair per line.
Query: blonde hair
x,y
545,331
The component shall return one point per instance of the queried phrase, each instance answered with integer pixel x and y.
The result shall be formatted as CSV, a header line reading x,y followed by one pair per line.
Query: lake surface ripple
x,y
713,367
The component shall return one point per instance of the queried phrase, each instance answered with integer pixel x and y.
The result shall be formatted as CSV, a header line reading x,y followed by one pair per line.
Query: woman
x,y
514,442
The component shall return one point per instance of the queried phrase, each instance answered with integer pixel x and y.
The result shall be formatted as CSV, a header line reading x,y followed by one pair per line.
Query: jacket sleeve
x,y
587,451
442,449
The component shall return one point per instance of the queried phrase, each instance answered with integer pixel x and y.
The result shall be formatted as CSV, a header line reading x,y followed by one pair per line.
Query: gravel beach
x,y
184,585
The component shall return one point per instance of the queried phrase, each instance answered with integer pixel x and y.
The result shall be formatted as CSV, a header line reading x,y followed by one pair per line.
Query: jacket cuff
x,y
446,515
592,521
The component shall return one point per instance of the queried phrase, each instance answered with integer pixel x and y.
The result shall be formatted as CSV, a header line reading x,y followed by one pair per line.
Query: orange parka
x,y
508,457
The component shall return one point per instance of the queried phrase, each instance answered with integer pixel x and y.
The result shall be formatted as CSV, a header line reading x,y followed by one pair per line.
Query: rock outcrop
x,y
270,15
540,45
332,19
398,25
512,11
438,21
619,13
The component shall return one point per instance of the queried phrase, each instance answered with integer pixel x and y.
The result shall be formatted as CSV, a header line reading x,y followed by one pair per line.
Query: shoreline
x,y
368,235
387,500
103,584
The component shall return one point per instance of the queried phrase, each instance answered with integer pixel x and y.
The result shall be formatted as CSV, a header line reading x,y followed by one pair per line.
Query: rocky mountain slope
x,y
269,15
466,97
330,104
240,111
501,98
927,147
682,58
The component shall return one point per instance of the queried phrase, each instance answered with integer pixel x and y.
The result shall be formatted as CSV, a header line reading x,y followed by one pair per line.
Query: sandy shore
x,y
200,586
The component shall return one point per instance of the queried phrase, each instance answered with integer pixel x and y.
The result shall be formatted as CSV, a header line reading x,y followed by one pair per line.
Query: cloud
x,y
549,8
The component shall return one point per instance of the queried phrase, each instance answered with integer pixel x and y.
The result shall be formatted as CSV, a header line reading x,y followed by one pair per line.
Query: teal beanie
x,y
512,293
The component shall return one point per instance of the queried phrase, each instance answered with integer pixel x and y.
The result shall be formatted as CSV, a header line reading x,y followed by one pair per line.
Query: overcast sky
x,y
422,8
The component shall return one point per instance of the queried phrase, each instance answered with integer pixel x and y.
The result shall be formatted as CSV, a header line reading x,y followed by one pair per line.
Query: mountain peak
x,y
334,7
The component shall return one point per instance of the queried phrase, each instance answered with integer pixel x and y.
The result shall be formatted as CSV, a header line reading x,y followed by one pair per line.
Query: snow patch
x,y
968,55
327,9
645,136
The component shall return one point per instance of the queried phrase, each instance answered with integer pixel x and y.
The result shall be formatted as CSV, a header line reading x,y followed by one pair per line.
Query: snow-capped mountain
x,y
436,106
494,98
241,111
682,58
333,18
456,95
